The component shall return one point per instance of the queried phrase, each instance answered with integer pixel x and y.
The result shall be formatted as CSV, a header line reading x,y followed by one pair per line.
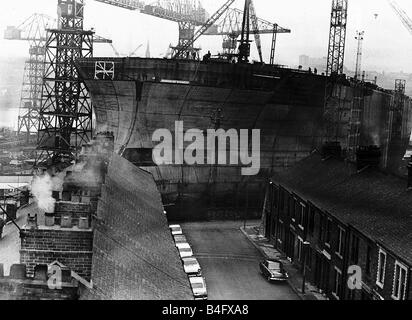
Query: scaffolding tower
x,y
33,30
398,106
337,37
65,122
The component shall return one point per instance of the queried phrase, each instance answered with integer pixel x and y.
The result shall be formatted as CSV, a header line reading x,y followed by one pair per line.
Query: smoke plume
x,y
42,189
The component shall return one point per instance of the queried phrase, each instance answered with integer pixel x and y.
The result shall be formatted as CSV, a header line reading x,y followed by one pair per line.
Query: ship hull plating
x,y
144,95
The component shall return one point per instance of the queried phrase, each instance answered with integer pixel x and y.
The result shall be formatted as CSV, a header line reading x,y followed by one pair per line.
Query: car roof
x,y
183,245
190,259
273,260
197,280
174,226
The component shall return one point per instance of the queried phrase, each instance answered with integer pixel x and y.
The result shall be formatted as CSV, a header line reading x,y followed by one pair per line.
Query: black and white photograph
x,y
206,155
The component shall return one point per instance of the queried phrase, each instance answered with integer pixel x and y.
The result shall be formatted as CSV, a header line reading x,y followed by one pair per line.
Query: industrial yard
x,y
204,171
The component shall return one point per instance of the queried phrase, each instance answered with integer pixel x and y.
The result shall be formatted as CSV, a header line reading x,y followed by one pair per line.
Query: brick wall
x,y
70,247
75,210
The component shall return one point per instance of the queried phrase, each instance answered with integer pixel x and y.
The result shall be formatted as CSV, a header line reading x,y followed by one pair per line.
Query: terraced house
x,y
343,221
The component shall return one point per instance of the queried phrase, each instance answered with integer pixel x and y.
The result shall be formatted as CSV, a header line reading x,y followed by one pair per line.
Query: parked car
x,y
176,229
180,238
185,250
273,270
198,287
192,266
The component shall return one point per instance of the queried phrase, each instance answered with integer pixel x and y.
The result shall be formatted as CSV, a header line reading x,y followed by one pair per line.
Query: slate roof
x,y
134,256
375,203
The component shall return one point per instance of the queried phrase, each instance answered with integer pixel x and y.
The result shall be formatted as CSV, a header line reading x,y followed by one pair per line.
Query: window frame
x,y
354,254
379,283
328,232
302,216
340,244
401,295
337,283
368,264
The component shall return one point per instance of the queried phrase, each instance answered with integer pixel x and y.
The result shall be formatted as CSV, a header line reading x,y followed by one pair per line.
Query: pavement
x,y
230,263
252,232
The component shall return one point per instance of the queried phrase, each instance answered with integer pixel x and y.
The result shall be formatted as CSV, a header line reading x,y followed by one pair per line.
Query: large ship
x,y
134,97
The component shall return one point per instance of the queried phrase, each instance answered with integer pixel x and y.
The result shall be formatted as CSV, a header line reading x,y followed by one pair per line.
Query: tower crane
x,y
230,27
190,14
187,13
34,30
407,22
203,29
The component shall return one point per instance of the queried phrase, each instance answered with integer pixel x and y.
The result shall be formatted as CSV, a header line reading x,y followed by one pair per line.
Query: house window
x,y
328,232
300,250
341,237
293,208
355,249
381,268
321,227
399,282
302,216
281,235
311,220
309,254
337,283
282,200
368,260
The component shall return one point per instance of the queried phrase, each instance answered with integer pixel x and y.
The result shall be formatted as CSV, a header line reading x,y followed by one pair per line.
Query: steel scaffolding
x,y
66,112
337,37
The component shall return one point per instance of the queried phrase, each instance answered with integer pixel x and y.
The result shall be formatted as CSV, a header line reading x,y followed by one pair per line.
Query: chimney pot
x,y
84,223
32,221
66,221
49,219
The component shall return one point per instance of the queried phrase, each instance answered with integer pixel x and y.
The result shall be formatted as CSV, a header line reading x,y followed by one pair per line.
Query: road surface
x,y
230,263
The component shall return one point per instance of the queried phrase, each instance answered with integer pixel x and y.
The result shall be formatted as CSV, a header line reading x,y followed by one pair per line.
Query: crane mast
x,y
337,37
407,22
255,28
182,52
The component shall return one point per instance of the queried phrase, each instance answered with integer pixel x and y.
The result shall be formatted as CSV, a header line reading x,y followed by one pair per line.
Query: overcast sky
x,y
387,45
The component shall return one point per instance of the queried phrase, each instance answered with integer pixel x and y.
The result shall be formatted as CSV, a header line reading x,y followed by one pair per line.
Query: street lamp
x,y
305,245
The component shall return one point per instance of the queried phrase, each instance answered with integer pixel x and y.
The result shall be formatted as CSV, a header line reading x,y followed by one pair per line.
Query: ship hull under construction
x,y
134,97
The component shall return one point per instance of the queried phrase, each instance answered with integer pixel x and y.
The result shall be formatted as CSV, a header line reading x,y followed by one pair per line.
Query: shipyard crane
x,y
255,28
187,13
407,22
34,30
179,53
230,27
359,37
337,37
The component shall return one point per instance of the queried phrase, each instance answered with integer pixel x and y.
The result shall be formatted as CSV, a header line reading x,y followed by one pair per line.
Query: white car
x,y
176,229
192,266
180,238
198,287
185,250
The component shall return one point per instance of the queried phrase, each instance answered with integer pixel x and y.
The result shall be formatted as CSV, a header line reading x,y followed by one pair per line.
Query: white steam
x,y
42,189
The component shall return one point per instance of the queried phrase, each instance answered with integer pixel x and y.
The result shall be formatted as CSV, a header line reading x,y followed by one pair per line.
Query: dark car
x,y
273,270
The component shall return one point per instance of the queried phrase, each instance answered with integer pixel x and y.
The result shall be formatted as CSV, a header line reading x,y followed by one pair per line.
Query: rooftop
x,y
375,203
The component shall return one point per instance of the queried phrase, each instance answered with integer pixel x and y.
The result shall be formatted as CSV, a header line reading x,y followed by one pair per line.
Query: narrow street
x,y
230,263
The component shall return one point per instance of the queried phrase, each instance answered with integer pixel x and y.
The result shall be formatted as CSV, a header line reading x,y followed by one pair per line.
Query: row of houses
x,y
348,227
